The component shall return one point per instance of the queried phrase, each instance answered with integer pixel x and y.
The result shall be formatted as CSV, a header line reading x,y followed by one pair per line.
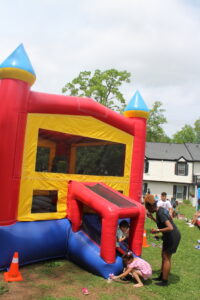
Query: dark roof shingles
x,y
166,151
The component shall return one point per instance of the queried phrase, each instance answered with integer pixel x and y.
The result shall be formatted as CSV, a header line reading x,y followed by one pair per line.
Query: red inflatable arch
x,y
111,206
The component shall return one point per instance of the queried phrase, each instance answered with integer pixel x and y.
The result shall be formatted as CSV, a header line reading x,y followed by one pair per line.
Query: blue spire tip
x,y
18,59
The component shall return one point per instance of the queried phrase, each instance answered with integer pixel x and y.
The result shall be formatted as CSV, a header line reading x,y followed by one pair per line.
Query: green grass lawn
x,y
62,280
185,275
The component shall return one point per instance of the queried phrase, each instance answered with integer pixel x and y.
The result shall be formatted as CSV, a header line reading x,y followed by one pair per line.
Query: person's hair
x,y
164,194
149,199
149,205
124,224
127,257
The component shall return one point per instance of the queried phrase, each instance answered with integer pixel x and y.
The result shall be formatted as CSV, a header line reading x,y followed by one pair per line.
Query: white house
x,y
172,168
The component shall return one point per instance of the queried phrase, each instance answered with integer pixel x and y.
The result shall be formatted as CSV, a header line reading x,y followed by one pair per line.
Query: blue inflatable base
x,y
42,240
84,252
35,241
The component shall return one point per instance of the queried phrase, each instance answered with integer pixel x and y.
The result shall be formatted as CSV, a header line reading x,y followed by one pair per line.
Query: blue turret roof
x,y
137,103
18,59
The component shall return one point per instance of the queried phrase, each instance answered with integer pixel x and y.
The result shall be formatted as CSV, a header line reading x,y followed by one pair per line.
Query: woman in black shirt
x,y
171,236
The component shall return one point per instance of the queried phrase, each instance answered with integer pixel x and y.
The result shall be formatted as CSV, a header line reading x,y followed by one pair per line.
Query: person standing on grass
x,y
164,202
137,267
171,237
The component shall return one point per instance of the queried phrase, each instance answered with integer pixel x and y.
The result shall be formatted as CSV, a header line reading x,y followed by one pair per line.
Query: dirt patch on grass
x,y
46,281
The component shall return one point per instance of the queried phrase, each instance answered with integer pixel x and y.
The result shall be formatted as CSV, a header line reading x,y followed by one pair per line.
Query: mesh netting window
x,y
107,160
44,201
59,152
42,159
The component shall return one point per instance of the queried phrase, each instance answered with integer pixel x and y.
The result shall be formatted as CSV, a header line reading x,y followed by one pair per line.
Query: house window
x,y
146,166
181,169
180,191
196,180
145,186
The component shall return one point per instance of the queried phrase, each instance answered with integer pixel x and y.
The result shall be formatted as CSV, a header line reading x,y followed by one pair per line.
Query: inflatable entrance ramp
x,y
84,248
111,206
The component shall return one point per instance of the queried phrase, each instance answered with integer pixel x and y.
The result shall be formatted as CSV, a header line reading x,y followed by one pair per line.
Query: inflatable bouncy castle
x,y
70,169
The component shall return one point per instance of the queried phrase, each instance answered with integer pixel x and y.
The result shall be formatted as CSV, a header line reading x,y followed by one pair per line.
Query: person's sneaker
x,y
197,247
198,241
162,283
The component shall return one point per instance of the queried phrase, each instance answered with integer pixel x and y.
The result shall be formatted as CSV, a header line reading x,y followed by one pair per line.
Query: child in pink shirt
x,y
137,267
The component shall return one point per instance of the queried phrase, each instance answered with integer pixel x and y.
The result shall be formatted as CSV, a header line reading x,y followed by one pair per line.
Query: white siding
x,y
197,168
164,171
156,188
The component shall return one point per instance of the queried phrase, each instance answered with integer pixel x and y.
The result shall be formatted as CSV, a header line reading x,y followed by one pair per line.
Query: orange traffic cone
x,y
144,243
13,274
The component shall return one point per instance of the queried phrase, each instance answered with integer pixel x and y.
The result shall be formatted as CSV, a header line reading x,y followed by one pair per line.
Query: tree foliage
x,y
102,86
197,130
155,132
188,134
185,135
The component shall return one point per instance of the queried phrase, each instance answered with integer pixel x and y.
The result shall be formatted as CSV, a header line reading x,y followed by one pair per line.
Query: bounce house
x,y
70,169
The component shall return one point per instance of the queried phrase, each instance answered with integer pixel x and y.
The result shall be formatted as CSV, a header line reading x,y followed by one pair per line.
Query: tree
x,y
101,86
185,135
197,130
155,132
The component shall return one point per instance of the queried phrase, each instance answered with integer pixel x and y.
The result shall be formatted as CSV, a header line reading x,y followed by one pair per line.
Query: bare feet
x,y
138,285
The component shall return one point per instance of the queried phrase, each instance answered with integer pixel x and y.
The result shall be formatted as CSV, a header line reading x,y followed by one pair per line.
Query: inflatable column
x,y
16,77
138,113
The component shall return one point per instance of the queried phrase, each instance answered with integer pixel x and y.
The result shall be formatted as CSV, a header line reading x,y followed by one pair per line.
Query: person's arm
x,y
168,228
150,216
121,239
129,270
123,236
120,235
170,208
171,212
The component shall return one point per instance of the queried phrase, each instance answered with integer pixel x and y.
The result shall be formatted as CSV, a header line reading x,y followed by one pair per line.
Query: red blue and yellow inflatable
x,y
67,163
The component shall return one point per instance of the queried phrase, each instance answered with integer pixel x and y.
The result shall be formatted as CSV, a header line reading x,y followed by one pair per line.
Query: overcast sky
x,y
158,41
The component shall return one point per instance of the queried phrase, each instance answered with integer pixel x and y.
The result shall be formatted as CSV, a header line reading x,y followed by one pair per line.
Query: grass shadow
x,y
148,281
156,273
173,278
131,280
119,281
